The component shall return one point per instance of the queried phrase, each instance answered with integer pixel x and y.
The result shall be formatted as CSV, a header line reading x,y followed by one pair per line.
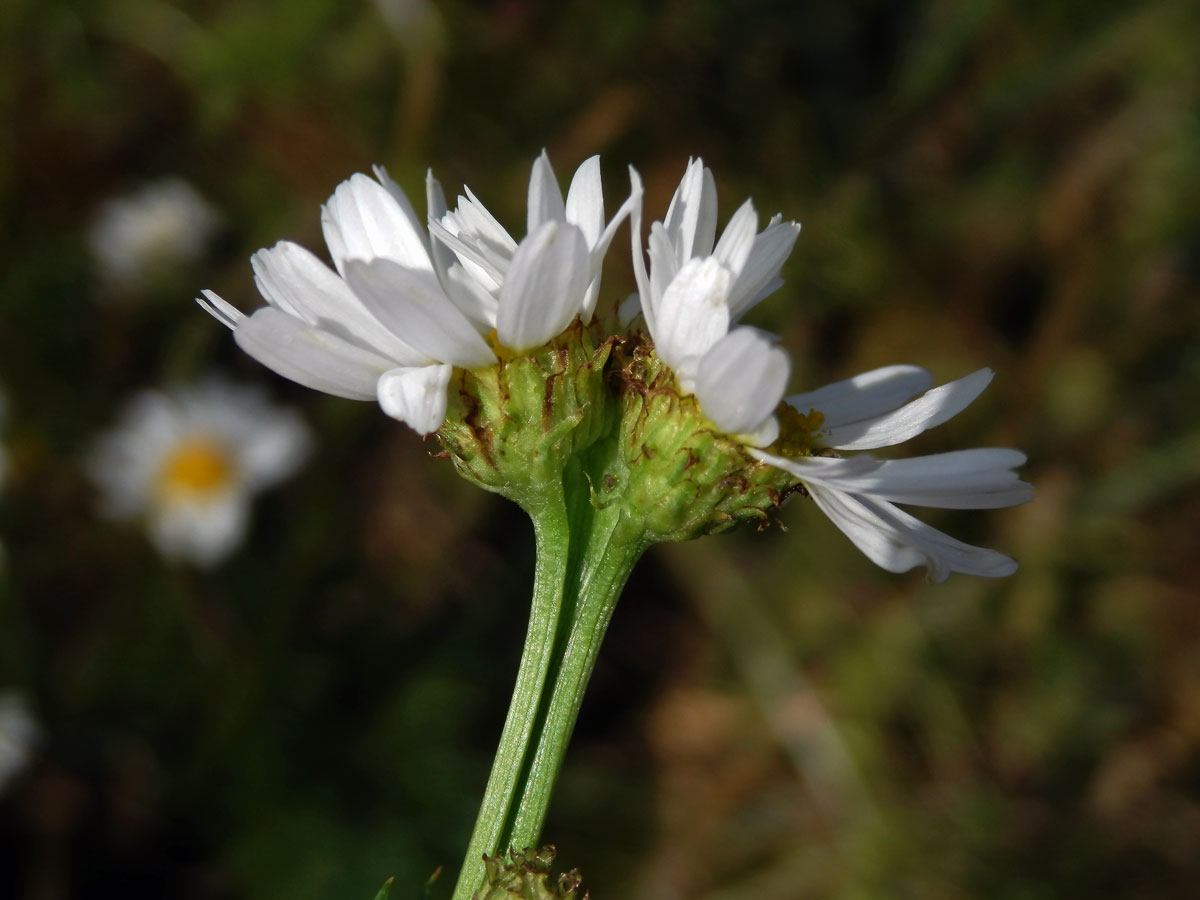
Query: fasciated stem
x,y
585,556
611,544
551,531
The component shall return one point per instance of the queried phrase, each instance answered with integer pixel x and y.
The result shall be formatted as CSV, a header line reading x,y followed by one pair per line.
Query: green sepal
x,y
525,874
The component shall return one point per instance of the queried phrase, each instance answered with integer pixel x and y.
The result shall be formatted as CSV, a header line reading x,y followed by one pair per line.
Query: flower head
x,y
691,299
466,331
407,308
187,462
137,237
19,734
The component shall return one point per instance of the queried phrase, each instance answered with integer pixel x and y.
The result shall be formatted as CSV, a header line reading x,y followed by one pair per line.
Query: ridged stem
x,y
489,835
608,546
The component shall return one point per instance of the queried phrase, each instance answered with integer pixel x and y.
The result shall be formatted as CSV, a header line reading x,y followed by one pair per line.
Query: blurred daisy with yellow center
x,y
187,463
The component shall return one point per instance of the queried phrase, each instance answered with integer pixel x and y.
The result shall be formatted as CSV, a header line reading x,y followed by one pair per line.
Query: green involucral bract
x,y
671,467
512,427
615,409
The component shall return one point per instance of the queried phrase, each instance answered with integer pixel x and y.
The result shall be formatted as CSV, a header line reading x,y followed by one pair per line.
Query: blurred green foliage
x,y
1015,185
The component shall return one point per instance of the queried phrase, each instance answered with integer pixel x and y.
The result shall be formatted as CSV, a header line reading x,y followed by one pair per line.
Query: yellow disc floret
x,y
198,467
797,431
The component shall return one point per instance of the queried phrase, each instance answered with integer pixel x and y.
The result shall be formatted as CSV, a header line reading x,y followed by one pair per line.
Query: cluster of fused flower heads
x,y
408,307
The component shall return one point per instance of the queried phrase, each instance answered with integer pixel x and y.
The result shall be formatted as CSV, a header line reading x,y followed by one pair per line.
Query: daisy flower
x,y
188,461
696,290
140,236
405,308
691,299
19,734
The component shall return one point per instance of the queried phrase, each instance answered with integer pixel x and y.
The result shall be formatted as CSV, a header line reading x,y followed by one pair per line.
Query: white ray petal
x,y
640,275
763,436
545,199
363,221
663,270
687,195
544,288
435,204
401,198
416,396
741,381
294,280
600,247
692,317
309,356
863,396
898,542
475,220
225,313
932,409
629,309
691,220
759,277
822,469
412,303
476,303
737,240
981,478
585,200
482,260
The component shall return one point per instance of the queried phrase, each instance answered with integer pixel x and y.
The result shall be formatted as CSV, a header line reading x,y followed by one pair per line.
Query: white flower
x,y
415,23
403,309
695,293
187,463
859,493
162,225
691,300
19,733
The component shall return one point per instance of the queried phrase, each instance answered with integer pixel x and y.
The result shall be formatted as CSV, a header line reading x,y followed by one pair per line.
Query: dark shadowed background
x,y
1006,184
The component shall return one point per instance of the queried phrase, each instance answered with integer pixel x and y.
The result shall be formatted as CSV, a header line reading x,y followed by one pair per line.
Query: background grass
x,y
981,183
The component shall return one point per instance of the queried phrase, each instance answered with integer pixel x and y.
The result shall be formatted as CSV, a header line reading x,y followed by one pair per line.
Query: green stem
x,y
611,544
552,536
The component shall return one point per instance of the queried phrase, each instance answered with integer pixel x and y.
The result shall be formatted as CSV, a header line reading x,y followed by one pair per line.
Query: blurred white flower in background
x,y
3,460
3,452
141,237
19,734
186,462
415,23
